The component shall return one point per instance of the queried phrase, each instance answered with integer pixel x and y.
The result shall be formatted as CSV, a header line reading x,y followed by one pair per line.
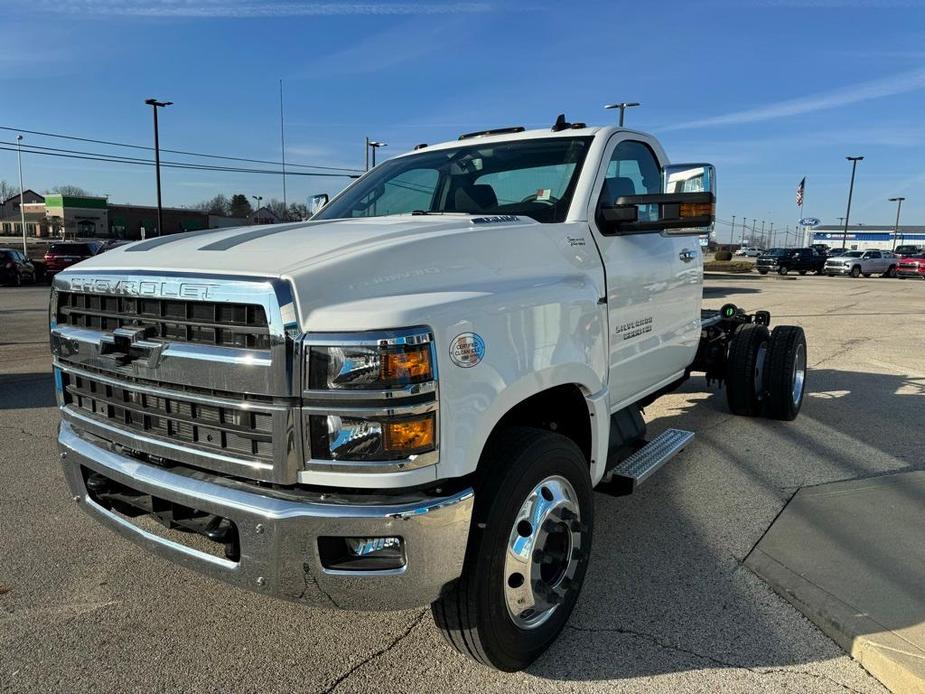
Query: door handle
x,y
687,255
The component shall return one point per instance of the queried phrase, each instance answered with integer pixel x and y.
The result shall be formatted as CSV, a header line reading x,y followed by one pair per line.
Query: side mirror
x,y
686,208
316,202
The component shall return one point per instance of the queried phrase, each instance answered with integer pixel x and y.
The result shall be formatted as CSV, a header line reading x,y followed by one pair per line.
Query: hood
x,y
377,271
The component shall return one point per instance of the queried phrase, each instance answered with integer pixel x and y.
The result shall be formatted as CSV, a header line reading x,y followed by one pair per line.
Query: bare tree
x,y
7,191
73,191
217,205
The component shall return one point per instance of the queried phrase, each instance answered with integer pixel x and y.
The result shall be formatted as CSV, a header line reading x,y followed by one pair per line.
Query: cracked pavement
x,y
667,605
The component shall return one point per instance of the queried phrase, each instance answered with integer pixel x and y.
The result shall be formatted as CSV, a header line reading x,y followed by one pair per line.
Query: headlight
x,y
371,397
386,365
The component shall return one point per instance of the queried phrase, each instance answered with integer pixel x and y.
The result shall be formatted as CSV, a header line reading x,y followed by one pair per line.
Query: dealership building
x,y
862,237
54,216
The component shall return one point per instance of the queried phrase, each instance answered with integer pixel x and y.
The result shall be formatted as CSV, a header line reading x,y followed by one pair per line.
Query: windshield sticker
x,y
544,194
467,350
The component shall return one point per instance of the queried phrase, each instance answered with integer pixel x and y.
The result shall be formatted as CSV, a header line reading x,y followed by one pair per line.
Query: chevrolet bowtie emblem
x,y
131,346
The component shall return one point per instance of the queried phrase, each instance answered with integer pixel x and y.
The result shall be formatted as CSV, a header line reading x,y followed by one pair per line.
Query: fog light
x,y
361,553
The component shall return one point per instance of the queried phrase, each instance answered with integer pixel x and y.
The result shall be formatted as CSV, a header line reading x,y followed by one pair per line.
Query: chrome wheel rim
x,y
799,374
542,552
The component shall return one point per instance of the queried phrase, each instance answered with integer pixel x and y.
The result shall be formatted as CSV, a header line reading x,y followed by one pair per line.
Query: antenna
x,y
623,105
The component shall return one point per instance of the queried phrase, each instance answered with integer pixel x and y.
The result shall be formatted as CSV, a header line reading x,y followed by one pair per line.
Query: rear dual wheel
x,y
527,554
766,372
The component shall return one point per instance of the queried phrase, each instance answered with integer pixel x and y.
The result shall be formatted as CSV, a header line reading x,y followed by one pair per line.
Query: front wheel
x,y
762,272
528,550
782,270
856,271
891,272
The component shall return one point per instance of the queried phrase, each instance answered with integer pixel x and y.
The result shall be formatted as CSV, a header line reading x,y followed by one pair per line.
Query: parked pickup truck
x,y
408,399
857,263
784,260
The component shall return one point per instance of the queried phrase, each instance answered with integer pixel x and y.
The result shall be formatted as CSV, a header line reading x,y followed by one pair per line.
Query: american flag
x,y
800,190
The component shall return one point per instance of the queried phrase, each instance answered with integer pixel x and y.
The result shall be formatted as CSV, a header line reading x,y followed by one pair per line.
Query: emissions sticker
x,y
467,350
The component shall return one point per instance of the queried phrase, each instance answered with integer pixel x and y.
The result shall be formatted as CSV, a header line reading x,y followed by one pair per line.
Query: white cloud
x,y
844,96
252,9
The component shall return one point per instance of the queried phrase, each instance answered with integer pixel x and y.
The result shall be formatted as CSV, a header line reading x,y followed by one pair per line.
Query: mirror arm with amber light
x,y
675,211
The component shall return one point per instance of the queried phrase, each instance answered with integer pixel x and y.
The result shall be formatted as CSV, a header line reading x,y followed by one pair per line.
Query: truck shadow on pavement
x,y
26,390
718,291
667,590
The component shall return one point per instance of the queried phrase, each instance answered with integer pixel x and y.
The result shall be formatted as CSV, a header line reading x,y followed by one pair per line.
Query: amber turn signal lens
x,y
411,364
410,435
696,209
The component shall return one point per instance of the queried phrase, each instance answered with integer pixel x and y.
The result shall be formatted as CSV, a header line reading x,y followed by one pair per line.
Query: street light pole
x,y
22,213
372,145
771,236
899,206
854,165
258,198
155,104
622,106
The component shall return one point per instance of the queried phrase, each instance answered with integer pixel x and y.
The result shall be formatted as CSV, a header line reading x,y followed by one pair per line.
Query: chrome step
x,y
637,468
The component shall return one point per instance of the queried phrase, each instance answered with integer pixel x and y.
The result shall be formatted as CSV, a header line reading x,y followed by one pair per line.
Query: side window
x,y
873,254
632,170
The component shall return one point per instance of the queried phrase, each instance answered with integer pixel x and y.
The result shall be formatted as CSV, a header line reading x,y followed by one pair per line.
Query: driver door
x,y
654,280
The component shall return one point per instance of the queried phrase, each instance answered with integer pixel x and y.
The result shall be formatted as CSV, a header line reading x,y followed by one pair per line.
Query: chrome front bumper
x,y
837,270
279,537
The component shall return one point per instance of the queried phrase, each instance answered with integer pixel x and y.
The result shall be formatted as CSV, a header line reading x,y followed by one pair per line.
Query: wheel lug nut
x,y
567,514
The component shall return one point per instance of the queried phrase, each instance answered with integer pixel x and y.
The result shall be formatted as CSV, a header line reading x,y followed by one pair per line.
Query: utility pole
x,y
899,206
622,106
771,236
733,234
155,104
854,165
22,212
763,243
754,229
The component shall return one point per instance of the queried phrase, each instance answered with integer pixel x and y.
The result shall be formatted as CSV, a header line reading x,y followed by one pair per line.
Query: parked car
x,y
63,254
784,260
749,252
822,248
906,250
15,267
112,243
835,252
911,266
867,263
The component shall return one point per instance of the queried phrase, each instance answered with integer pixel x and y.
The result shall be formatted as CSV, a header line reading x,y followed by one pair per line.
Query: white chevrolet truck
x,y
408,399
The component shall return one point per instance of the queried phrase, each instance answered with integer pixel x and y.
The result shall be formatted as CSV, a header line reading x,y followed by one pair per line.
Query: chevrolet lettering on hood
x,y
150,288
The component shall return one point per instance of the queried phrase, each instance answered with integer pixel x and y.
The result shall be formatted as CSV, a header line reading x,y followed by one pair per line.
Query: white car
x,y
408,399
749,252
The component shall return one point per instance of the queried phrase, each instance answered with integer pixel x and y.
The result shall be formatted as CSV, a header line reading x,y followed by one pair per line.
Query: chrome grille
x,y
176,320
243,432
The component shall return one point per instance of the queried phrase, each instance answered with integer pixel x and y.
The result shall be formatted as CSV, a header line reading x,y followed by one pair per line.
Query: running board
x,y
637,468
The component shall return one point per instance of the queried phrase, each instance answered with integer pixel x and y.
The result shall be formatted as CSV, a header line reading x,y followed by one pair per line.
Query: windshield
x,y
854,254
907,249
778,252
533,178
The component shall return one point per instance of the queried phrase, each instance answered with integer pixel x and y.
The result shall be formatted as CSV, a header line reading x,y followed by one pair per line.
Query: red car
x,y
913,266
62,255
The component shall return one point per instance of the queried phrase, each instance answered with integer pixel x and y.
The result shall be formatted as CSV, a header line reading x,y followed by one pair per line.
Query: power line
x,y
95,156
174,151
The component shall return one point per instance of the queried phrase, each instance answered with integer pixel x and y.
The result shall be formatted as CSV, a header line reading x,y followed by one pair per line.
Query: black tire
x,y
867,274
891,272
802,272
762,272
856,271
17,279
783,270
786,360
473,614
744,366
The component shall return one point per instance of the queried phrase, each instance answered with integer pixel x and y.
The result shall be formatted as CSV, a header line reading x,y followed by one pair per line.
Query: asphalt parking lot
x,y
667,604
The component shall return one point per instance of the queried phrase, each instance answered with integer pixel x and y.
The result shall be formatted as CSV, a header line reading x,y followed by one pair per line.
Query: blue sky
x,y
768,90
